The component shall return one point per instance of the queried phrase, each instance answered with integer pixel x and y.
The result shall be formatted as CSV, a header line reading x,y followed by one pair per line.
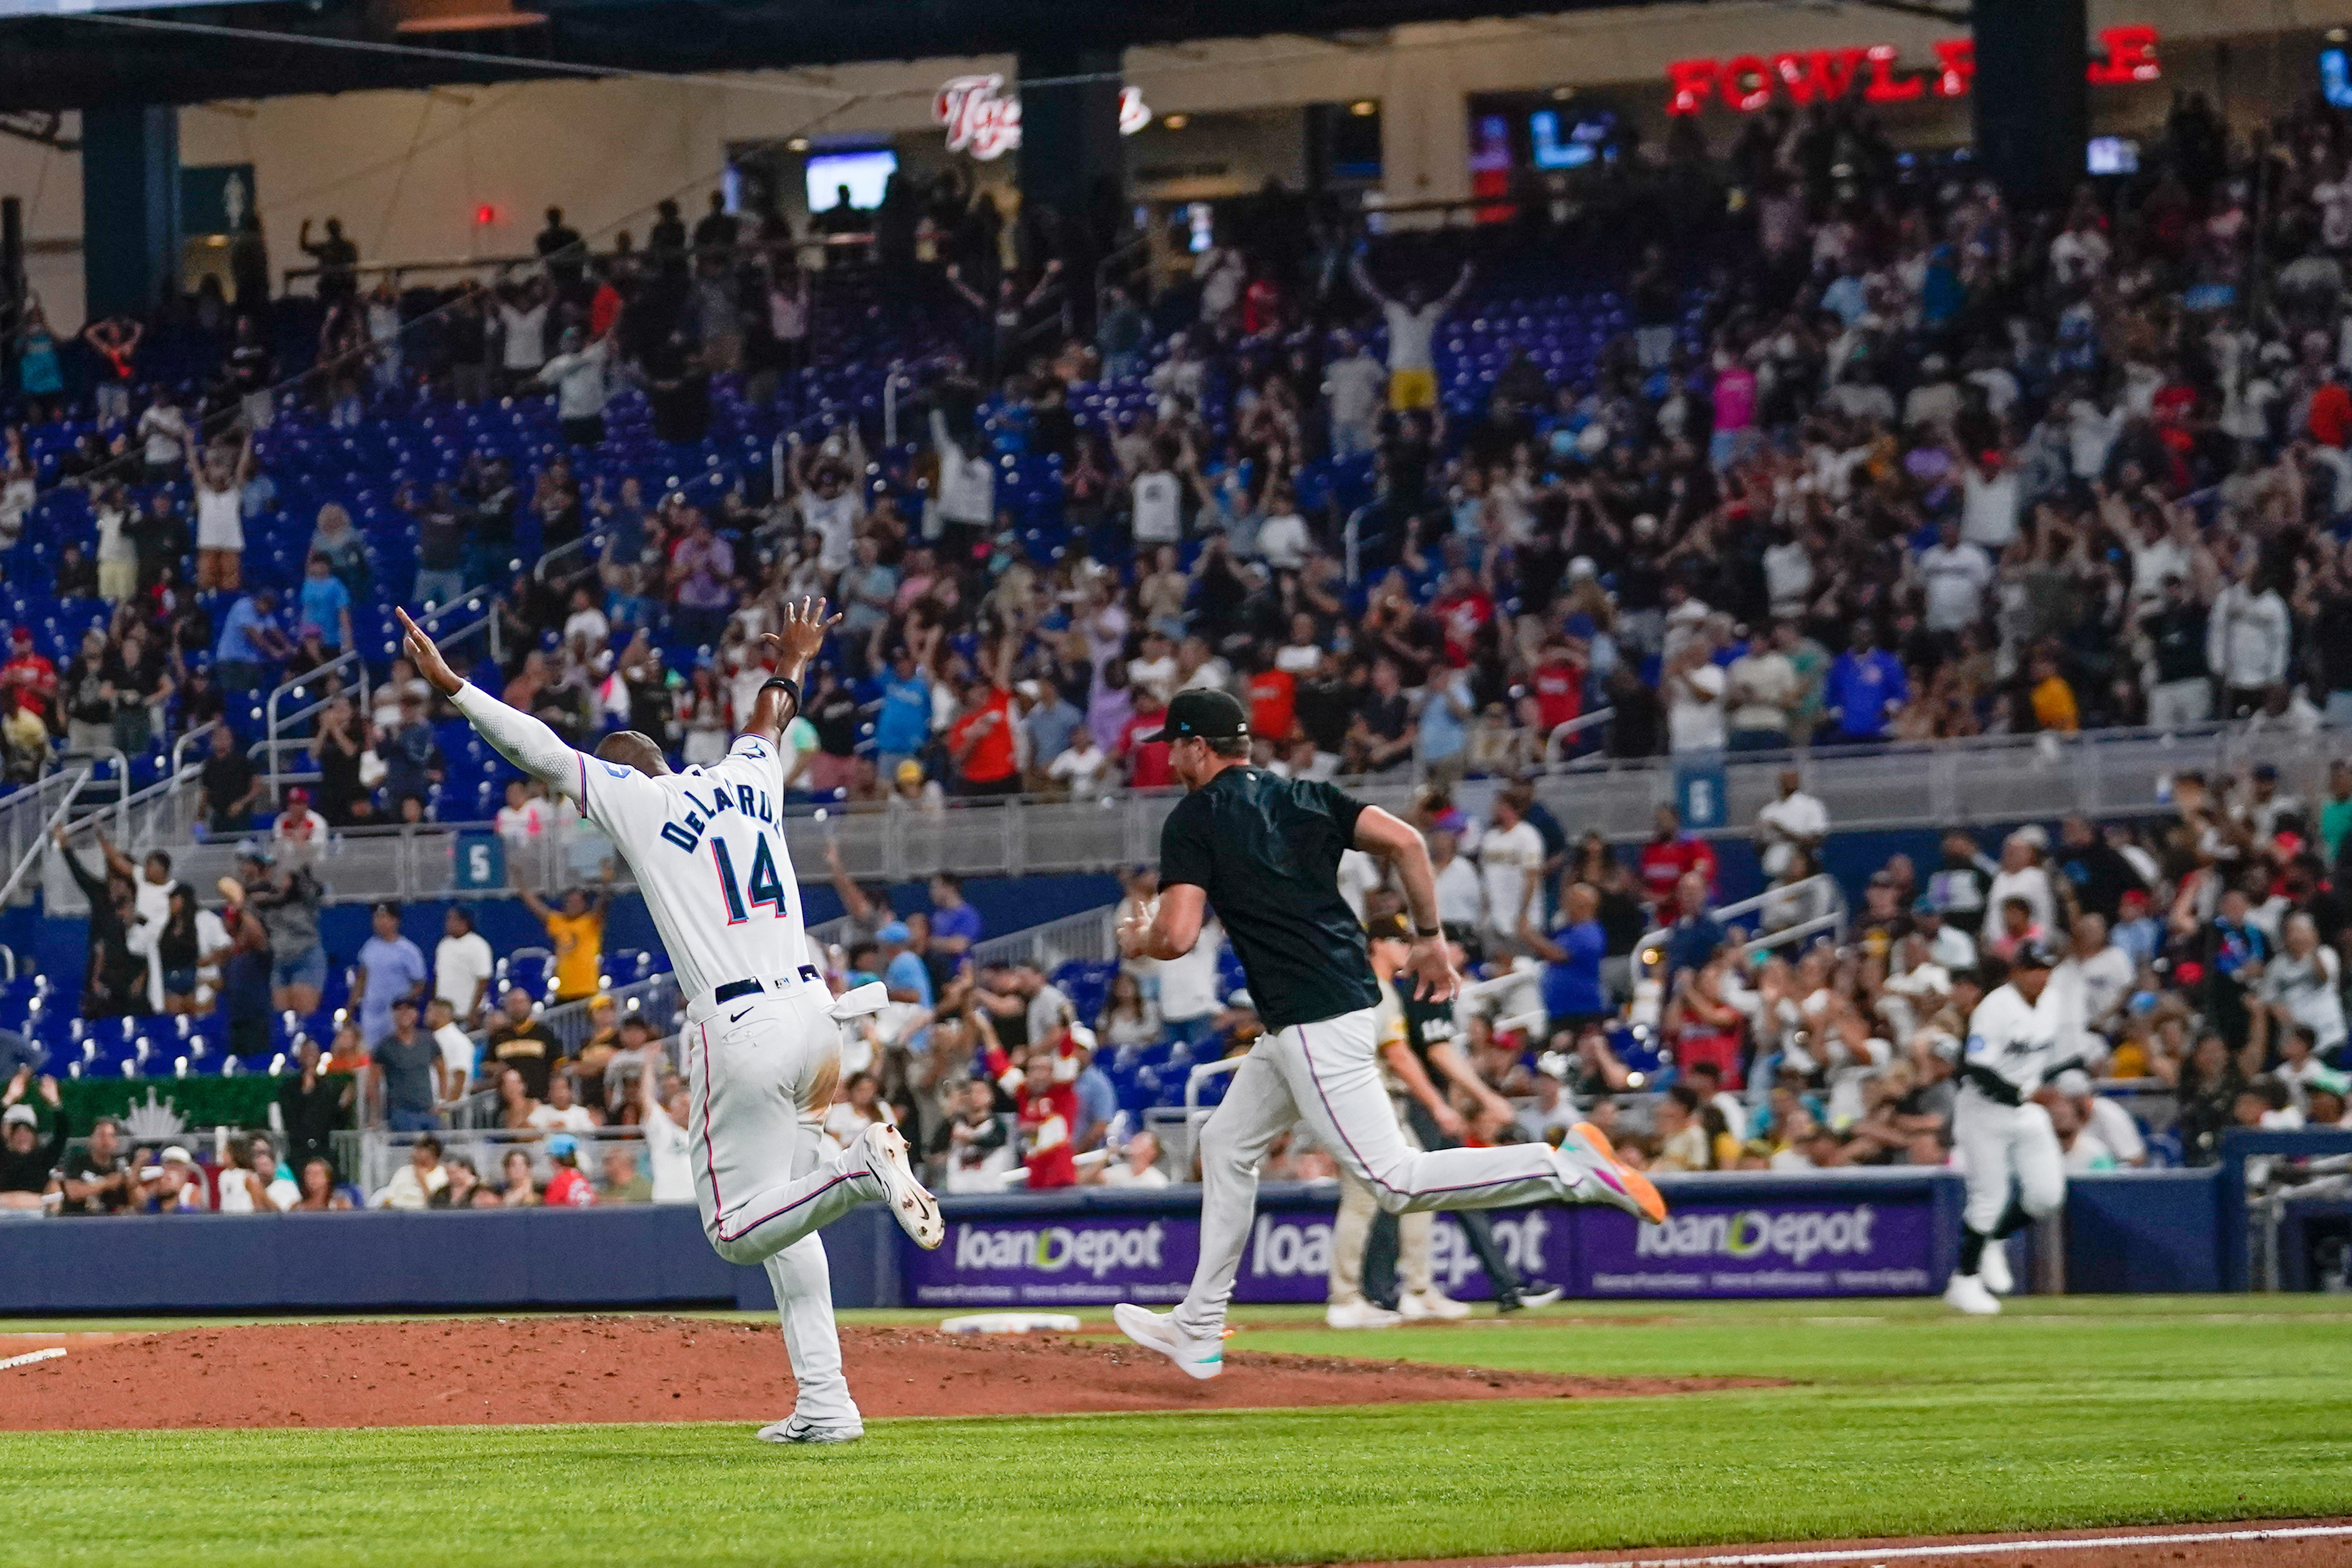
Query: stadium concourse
x,y
1445,511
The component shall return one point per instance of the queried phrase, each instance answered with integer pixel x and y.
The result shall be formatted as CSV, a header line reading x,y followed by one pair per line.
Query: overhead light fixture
x,y
1362,107
797,144
2338,35
1562,94
1175,122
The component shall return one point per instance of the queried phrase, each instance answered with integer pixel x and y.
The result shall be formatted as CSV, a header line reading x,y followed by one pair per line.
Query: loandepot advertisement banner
x,y
1772,1248
1043,1260
1867,1247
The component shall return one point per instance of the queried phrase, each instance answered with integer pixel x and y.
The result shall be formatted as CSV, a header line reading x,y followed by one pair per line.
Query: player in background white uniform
x,y
761,1036
2000,1129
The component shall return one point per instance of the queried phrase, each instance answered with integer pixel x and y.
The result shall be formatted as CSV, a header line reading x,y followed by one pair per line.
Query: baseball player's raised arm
x,y
805,628
519,738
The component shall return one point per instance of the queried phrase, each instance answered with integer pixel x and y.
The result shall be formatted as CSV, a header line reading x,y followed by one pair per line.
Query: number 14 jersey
x,y
708,847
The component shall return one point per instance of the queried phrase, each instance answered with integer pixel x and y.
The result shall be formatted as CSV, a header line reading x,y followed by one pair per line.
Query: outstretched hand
x,y
805,627
426,656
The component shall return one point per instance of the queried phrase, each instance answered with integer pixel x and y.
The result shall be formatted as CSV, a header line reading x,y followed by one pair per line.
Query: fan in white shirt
x,y
1510,861
1082,767
560,1112
1795,821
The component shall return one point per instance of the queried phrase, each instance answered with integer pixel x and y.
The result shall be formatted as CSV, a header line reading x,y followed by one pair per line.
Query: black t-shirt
x,y
1322,706
227,777
249,366
1428,1024
834,716
440,539
531,1050
2101,877
1267,851
87,1167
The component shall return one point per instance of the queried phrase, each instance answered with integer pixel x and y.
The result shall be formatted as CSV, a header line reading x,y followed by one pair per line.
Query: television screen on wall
x,y
865,172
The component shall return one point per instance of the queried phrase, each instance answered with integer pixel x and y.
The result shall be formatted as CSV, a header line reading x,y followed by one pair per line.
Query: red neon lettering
x,y
1825,74
2131,56
1693,82
1956,64
1747,84
1884,88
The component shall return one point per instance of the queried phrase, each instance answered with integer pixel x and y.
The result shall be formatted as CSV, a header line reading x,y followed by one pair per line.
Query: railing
x,y
1178,1130
1086,936
2000,779
1575,726
278,743
25,820
64,798
815,244
1655,938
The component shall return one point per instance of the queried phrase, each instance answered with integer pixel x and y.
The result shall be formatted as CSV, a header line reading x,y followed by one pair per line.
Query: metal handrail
x,y
275,745
1575,726
1655,937
819,243
118,807
32,855
180,747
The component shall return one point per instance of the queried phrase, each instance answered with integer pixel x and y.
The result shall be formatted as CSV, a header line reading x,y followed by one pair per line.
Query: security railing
x,y
1652,943
288,729
26,818
1990,779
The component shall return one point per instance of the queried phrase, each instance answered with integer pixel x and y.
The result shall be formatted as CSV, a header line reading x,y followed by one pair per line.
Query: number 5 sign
x,y
481,861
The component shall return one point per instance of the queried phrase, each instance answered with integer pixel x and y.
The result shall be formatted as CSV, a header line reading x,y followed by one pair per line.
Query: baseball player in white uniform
x,y
2016,1171
761,1036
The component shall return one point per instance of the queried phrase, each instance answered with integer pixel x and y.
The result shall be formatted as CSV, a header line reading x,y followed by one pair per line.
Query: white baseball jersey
x,y
2014,1042
707,844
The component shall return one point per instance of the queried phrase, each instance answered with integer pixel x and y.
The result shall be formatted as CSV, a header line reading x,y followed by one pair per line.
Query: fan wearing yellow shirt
x,y
576,931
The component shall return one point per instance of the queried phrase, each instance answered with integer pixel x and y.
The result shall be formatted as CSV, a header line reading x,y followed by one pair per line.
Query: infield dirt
x,y
493,1370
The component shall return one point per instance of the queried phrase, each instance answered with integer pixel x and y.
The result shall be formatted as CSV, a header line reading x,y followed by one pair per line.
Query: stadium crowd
x,y
1929,470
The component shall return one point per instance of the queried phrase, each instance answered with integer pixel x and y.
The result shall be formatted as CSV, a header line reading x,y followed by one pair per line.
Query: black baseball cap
x,y
1206,715
2032,955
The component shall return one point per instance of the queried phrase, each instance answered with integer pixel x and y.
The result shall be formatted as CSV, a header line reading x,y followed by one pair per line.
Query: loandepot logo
x,y
1753,1234
1059,1250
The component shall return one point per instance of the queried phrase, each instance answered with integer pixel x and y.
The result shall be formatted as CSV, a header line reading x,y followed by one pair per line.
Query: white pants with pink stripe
x,y
1325,1074
761,1072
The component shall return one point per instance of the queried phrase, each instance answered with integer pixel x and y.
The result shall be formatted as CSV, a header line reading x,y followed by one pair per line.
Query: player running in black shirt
x,y
1266,852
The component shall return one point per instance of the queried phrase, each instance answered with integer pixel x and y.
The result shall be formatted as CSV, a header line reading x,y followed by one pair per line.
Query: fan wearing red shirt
x,y
1273,702
1670,853
1461,608
1261,306
980,741
567,1188
1140,744
1558,681
1049,1120
2331,412
32,678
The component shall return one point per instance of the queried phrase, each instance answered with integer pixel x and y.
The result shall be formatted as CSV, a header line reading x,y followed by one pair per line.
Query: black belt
x,y
734,988
1985,1082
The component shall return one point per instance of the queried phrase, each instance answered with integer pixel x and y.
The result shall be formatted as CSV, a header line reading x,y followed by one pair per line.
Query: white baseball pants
x,y
1352,1227
760,1071
2001,1144
1326,1074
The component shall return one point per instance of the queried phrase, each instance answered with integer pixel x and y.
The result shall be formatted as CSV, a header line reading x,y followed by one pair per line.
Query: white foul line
x,y
1974,1549
49,1354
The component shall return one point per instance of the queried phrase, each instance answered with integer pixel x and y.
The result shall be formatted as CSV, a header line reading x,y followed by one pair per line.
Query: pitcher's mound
x,y
465,1371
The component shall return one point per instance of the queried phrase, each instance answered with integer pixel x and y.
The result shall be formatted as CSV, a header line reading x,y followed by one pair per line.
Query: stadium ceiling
x,y
196,54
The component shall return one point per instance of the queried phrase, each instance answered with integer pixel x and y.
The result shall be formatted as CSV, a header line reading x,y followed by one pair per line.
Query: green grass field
x,y
1902,1420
